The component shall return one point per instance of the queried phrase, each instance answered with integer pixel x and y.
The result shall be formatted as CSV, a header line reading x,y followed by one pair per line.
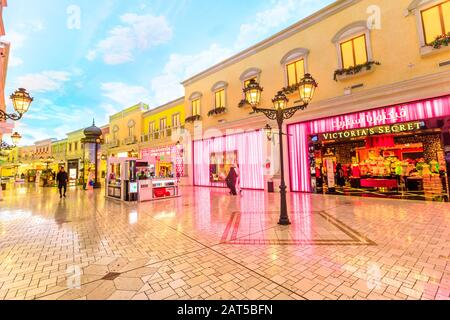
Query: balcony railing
x,y
130,140
112,144
162,134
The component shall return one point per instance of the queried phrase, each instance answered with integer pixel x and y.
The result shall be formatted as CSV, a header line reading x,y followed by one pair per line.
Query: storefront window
x,y
394,152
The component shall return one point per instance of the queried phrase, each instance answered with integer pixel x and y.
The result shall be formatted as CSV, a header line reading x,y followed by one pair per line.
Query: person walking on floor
x,y
238,180
62,177
231,181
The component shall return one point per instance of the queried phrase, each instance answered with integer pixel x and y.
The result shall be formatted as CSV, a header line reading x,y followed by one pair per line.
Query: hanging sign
x,y
367,132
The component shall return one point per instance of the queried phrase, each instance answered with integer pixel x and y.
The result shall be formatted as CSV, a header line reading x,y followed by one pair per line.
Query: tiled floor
x,y
209,245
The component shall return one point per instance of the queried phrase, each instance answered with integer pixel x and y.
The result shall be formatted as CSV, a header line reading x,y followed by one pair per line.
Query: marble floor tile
x,y
209,245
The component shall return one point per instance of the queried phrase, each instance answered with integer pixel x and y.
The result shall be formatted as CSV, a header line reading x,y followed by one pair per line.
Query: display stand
x,y
147,179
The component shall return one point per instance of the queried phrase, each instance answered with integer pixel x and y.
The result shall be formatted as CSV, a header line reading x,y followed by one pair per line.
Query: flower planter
x,y
217,111
192,119
360,69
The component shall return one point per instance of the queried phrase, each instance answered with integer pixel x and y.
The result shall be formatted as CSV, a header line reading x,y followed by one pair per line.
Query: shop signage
x,y
369,119
367,132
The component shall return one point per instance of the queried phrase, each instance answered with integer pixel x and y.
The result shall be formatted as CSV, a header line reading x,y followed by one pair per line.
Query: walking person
x,y
340,176
62,177
231,181
238,180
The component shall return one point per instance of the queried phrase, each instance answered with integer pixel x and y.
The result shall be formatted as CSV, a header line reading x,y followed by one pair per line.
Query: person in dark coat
x,y
340,176
62,177
231,181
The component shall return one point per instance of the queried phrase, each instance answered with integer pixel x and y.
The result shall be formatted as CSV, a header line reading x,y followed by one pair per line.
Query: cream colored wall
x,y
396,46
122,123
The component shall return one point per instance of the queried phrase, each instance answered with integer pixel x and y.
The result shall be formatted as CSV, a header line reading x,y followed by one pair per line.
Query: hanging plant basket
x,y
291,89
192,119
217,111
355,70
441,41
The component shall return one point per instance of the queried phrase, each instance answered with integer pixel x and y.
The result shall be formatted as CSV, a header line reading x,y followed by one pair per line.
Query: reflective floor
x,y
209,245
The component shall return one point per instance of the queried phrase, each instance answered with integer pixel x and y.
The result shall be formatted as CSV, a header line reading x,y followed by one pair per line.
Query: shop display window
x,y
220,165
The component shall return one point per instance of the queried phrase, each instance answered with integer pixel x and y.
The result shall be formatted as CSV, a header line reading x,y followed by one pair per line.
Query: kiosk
x,y
121,181
147,179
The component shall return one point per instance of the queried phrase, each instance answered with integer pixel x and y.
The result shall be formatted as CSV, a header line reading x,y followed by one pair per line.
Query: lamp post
x,y
15,138
279,113
21,101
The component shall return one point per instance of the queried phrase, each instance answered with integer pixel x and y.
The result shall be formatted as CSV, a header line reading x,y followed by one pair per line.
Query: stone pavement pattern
x,y
208,245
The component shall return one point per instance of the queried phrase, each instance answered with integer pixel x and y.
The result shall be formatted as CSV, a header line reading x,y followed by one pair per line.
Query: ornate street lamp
x,y
253,93
268,131
21,100
15,138
279,113
5,146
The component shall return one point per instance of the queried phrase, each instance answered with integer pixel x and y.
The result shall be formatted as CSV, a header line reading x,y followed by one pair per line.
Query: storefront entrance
x,y
73,172
397,152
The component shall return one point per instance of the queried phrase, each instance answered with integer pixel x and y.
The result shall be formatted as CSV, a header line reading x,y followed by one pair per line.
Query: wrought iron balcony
x,y
130,140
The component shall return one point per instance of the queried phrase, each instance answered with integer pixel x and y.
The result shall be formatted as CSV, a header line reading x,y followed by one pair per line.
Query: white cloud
x,y
43,82
123,94
281,12
91,55
14,61
17,41
33,25
167,86
137,32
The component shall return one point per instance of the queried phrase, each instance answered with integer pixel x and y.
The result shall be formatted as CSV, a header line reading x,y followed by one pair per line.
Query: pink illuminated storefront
x,y
395,152
171,155
214,157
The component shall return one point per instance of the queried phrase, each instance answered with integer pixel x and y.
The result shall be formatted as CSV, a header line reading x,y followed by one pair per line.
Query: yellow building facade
x,y
364,54
59,154
163,123
163,136
125,129
74,156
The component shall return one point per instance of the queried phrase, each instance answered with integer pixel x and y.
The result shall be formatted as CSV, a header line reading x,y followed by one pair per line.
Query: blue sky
x,y
82,59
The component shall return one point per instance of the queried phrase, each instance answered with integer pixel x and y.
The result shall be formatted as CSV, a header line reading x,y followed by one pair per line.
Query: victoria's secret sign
x,y
372,119
366,132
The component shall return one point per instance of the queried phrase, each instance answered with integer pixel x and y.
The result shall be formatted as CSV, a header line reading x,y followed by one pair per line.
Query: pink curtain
x,y
298,153
250,149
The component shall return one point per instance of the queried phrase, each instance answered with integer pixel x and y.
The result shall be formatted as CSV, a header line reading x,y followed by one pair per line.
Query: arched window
x,y
195,101
432,19
220,94
295,65
250,74
353,45
131,128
